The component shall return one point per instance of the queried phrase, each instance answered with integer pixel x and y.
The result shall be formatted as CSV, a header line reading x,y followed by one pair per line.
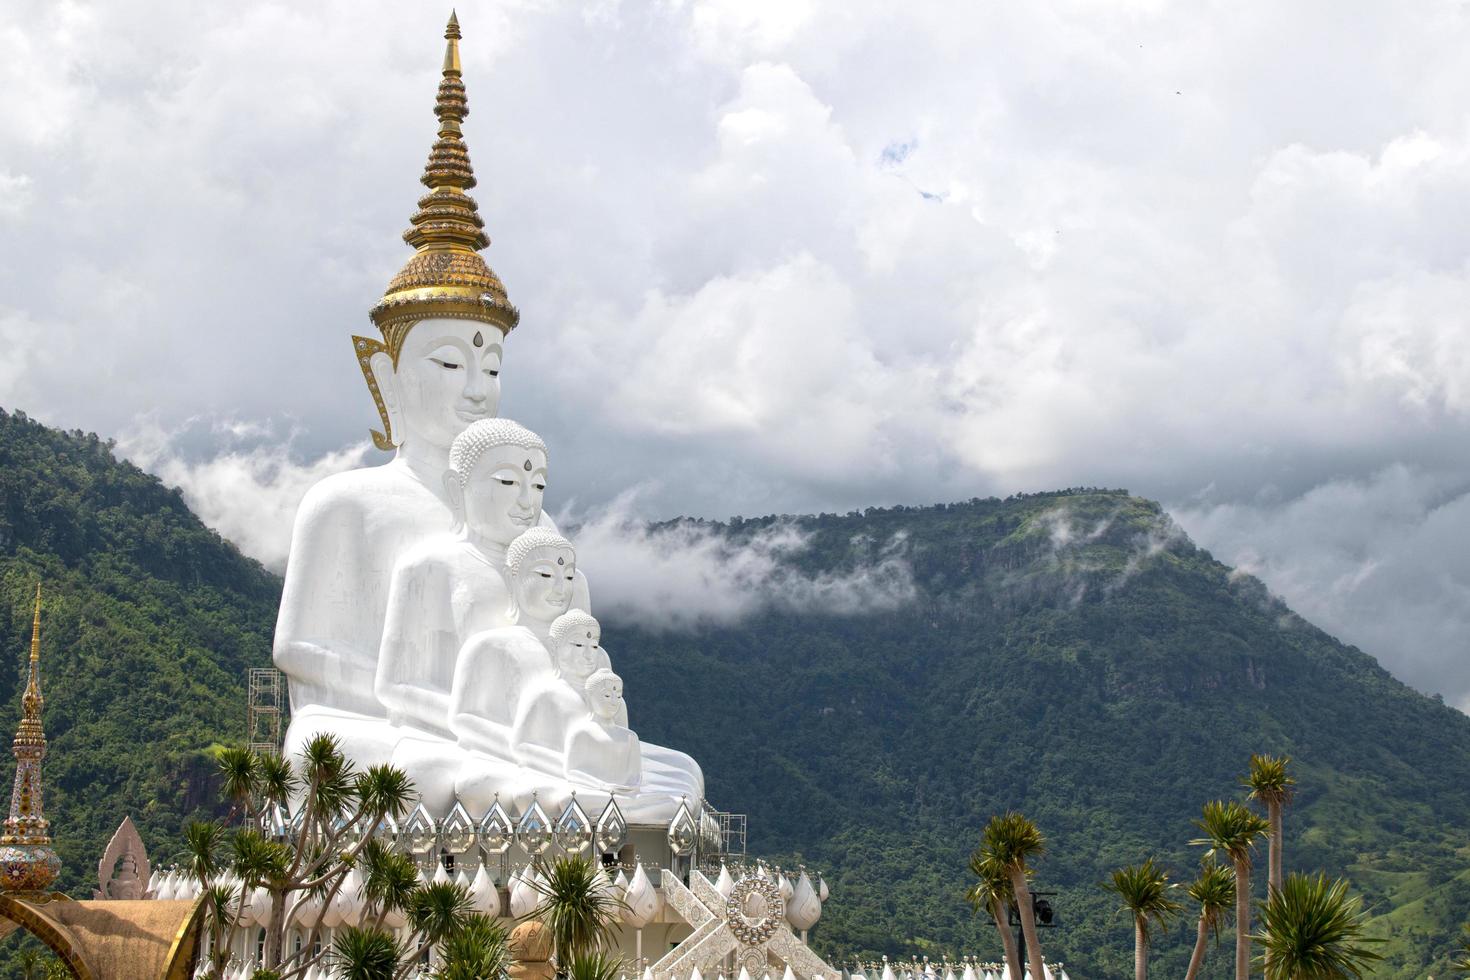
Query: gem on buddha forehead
x,y
561,561
479,339
528,466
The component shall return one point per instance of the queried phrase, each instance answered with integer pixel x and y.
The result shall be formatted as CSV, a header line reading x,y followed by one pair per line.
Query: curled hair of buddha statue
x,y
569,623
484,435
537,537
445,277
599,676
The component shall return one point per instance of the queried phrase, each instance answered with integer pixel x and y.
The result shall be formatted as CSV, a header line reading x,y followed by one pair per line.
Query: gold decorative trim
x,y
365,348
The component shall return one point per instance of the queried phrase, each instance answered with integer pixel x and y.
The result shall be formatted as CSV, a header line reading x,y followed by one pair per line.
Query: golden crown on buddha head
x,y
446,277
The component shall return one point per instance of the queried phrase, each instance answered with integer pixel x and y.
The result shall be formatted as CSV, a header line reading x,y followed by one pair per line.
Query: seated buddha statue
x,y
555,700
600,747
446,589
495,665
433,370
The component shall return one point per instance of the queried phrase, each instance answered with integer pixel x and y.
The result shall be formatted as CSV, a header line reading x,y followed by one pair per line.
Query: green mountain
x,y
1069,654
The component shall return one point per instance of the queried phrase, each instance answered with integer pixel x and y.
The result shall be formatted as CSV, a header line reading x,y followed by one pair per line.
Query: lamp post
x,y
1045,914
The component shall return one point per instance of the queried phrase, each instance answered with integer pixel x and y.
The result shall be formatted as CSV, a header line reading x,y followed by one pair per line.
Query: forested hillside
x,y
1072,655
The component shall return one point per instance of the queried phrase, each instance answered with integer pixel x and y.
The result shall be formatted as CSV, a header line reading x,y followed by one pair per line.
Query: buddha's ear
x,y
381,364
455,494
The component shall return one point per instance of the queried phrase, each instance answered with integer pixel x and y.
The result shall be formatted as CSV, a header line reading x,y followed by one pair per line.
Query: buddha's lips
x,y
472,415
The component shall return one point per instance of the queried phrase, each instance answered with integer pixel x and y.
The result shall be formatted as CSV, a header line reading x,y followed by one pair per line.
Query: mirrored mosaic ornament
x,y
458,831
497,832
612,829
419,832
683,834
533,830
573,829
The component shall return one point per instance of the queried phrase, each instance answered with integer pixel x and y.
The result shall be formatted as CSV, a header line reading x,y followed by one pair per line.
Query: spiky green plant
x,y
991,894
1311,929
594,966
576,906
1232,830
1271,785
1463,963
1145,891
1214,891
367,953
389,880
438,909
31,964
239,770
1013,841
477,950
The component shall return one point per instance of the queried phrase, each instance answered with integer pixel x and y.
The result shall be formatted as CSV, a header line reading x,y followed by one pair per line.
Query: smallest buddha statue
x,y
601,750
554,704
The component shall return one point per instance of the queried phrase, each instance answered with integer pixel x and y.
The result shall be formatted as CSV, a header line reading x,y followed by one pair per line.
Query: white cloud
x,y
688,574
248,494
1382,562
778,257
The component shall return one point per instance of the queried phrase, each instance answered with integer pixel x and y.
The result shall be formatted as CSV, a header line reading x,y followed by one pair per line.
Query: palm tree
x,y
32,967
1270,784
1144,889
439,909
389,880
1214,890
1312,930
576,906
479,948
1013,841
991,894
366,954
1233,830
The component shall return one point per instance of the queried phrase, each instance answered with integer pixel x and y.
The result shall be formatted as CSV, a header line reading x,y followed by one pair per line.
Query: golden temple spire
x,y
27,862
31,701
36,629
446,277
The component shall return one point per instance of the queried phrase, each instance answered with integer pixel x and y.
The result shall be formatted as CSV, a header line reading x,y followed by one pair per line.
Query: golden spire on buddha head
x,y
446,277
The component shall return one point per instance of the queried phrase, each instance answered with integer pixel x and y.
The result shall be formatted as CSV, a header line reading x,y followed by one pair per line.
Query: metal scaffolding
x,y
267,689
732,834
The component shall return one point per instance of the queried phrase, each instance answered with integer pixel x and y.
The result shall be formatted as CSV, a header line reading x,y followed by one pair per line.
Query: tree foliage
x,y
1311,929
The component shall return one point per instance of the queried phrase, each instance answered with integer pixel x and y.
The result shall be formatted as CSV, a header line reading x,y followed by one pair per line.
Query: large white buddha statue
x,y
435,370
400,572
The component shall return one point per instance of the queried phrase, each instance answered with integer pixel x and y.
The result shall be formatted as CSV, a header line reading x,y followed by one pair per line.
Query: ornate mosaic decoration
x,y
751,923
754,909
27,862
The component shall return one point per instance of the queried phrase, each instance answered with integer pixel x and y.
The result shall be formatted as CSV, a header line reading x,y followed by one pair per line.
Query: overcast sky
x,y
790,256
